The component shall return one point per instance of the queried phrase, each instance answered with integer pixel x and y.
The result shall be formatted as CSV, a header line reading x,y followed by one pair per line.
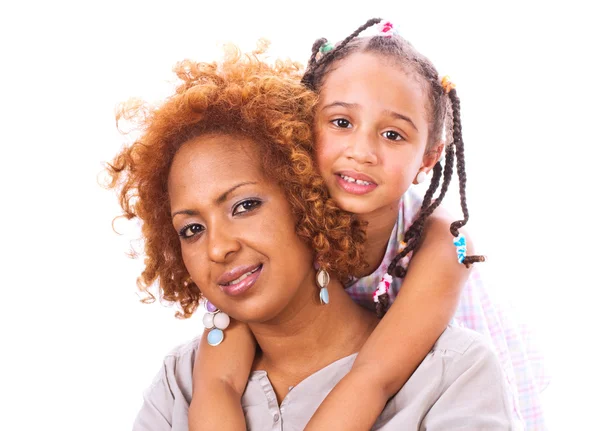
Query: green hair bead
x,y
326,47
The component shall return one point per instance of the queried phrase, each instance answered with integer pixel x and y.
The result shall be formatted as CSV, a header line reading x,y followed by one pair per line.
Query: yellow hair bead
x,y
447,85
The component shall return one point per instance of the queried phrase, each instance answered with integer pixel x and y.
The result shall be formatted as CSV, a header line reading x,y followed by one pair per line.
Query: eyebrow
x,y
342,104
400,117
386,112
219,200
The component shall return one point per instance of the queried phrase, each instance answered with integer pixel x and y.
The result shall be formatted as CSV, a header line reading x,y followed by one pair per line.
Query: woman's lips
x,y
354,183
239,280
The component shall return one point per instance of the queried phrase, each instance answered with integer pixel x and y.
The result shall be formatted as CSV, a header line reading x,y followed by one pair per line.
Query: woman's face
x,y
237,230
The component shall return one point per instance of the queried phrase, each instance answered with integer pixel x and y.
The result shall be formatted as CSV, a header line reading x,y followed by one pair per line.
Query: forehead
x,y
374,78
214,161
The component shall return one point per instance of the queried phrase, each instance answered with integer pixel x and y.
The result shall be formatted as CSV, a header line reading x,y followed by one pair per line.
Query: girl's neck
x,y
380,224
311,338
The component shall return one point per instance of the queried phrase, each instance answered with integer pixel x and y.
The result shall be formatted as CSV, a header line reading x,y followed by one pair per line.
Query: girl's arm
x,y
422,310
220,376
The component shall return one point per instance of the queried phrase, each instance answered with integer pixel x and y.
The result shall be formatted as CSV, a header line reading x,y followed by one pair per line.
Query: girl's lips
x,y
237,288
357,176
353,187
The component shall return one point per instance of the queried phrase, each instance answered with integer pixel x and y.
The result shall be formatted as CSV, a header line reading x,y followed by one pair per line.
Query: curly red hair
x,y
243,96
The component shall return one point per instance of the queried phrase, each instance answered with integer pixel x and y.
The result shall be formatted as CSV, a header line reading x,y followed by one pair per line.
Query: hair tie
x,y
324,49
447,85
383,287
386,29
460,242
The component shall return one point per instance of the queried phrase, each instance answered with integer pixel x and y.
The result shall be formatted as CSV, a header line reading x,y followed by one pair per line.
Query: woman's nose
x,y
222,242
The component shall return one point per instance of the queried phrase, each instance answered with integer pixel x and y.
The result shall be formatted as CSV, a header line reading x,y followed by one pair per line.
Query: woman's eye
x,y
246,206
392,136
191,230
342,123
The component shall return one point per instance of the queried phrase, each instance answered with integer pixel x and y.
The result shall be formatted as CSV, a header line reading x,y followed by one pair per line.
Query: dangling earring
x,y
421,177
216,321
323,282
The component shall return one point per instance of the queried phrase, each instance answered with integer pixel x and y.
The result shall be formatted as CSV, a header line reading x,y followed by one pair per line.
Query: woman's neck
x,y
311,337
380,224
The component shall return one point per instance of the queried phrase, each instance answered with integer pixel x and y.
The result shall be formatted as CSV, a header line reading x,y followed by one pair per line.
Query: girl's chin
x,y
363,205
355,206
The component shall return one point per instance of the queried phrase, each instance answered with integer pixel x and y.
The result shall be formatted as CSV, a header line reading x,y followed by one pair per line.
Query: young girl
x,y
379,127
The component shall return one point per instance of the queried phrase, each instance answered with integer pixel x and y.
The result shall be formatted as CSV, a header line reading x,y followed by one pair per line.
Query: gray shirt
x,y
458,386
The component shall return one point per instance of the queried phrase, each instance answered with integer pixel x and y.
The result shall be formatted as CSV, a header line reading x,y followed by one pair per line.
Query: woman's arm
x,y
422,310
220,376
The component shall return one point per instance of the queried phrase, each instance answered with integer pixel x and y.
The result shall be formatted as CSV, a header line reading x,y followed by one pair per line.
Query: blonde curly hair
x,y
245,96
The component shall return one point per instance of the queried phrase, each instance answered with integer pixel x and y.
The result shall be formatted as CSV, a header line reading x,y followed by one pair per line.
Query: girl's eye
x,y
246,206
191,230
392,136
342,123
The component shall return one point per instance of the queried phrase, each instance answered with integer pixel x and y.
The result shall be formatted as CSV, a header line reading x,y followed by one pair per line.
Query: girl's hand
x,y
220,376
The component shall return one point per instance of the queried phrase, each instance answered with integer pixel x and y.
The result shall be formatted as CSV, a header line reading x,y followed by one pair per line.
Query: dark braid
x,y
313,66
412,237
383,304
460,161
315,50
417,226
358,31
435,182
439,99
415,230
462,173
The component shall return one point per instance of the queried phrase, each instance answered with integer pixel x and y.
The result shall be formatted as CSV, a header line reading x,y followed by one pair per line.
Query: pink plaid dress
x,y
522,363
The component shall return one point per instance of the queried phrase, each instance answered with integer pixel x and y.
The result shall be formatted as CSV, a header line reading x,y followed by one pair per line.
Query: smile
x,y
353,180
355,183
242,277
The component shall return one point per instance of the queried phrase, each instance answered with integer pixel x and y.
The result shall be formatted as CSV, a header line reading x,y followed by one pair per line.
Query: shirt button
x,y
276,417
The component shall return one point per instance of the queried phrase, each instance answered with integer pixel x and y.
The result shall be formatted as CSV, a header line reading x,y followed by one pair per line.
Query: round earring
x,y
323,282
421,177
216,321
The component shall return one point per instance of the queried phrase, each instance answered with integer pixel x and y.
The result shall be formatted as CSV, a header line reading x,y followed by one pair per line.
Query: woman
x,y
233,210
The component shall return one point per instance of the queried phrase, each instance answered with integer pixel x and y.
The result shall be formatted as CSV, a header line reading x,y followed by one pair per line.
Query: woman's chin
x,y
255,313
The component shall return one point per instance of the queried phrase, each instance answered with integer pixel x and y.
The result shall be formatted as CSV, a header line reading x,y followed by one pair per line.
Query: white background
x,y
77,346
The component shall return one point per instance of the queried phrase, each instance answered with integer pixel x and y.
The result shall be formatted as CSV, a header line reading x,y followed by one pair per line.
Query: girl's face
x,y
371,132
237,231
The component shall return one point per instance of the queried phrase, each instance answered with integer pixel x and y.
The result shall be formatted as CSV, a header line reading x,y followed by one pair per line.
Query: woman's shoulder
x,y
178,366
167,399
185,350
462,341
460,381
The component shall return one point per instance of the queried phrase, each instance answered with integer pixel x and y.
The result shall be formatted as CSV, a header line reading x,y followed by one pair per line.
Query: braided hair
x,y
443,109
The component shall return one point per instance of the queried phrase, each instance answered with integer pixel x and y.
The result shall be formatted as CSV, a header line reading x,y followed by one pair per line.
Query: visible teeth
x,y
241,277
352,180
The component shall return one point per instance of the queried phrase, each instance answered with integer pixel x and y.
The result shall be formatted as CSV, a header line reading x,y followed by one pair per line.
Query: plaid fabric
x,y
522,362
